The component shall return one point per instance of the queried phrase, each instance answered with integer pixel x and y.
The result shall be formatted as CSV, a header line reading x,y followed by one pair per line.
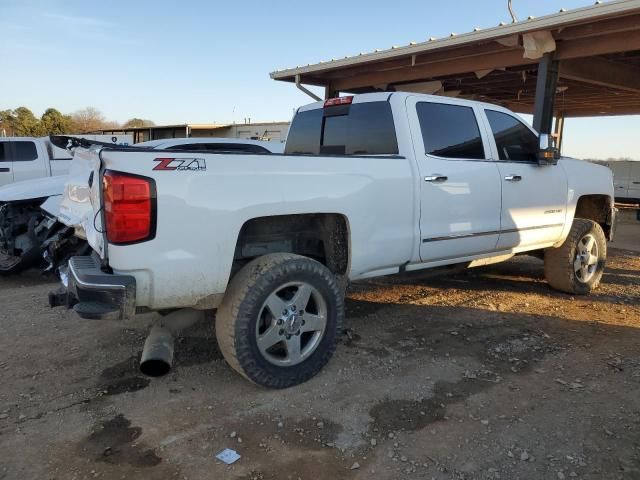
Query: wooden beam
x,y
614,25
566,50
600,45
330,92
578,111
519,107
599,71
452,66
420,59
593,112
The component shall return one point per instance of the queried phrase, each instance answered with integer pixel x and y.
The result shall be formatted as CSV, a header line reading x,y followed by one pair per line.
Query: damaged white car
x,y
30,233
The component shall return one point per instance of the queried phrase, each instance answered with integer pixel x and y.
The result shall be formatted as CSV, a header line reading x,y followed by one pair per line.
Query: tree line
x,y
21,122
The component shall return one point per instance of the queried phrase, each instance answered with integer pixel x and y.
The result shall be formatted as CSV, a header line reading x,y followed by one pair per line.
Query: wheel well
x,y
597,208
321,236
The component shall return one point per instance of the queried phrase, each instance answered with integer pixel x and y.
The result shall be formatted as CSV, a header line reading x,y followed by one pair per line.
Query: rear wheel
x,y
578,264
279,320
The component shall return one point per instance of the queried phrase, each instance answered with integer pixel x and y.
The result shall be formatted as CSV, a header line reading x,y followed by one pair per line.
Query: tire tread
x,y
558,262
242,292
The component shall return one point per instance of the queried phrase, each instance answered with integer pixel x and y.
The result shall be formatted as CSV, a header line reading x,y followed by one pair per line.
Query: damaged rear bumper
x,y
94,294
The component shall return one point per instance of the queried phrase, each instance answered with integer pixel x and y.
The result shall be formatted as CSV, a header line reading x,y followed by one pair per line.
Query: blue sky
x,y
206,61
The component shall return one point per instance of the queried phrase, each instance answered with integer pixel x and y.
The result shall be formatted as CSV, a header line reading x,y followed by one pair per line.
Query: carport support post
x,y
329,92
545,93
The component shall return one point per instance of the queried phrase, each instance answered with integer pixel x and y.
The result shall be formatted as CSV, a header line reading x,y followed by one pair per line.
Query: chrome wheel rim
x,y
586,262
291,323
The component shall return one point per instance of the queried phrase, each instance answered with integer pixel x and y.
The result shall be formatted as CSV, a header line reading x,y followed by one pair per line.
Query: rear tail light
x,y
332,102
129,207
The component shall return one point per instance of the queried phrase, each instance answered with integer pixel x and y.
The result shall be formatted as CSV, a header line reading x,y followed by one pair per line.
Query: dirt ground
x,y
483,374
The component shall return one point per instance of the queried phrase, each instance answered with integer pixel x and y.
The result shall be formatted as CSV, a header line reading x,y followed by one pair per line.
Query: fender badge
x,y
180,164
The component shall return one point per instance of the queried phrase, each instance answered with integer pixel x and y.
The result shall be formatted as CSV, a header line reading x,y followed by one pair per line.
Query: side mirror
x,y
548,154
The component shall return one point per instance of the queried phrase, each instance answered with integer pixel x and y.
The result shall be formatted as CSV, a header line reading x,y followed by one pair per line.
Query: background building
x,y
275,131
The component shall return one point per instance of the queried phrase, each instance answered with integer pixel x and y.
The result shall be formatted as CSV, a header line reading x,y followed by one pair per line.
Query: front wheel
x,y
278,322
578,264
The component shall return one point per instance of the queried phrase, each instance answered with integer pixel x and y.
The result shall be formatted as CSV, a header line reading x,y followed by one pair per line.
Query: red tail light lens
x,y
129,206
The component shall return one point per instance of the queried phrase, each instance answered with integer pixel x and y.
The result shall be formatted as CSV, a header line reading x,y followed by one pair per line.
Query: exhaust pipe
x,y
157,354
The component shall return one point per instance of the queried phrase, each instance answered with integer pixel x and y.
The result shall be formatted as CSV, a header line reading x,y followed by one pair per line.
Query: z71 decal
x,y
181,164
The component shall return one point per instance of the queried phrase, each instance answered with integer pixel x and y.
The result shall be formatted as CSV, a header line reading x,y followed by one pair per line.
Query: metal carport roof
x,y
596,50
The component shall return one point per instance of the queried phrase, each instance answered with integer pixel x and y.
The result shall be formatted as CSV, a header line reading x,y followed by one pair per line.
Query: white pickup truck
x,y
27,158
32,170
369,185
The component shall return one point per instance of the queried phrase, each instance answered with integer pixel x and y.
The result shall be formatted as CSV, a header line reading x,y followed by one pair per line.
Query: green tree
x,y
7,123
26,123
55,123
137,123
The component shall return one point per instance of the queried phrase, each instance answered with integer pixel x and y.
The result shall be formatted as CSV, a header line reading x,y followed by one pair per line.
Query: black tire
x,y
559,266
239,314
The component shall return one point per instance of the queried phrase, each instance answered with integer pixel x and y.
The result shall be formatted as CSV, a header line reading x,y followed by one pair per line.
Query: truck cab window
x,y
187,146
450,131
4,154
515,142
233,147
358,129
334,135
304,134
24,151
221,147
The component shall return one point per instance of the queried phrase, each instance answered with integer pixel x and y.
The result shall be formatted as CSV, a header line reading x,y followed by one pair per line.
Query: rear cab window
x,y
221,147
349,129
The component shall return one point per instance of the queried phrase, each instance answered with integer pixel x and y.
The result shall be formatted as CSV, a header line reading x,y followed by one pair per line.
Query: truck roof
x,y
13,139
386,96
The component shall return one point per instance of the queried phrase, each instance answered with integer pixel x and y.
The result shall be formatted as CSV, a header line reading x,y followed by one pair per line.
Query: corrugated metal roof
x,y
599,11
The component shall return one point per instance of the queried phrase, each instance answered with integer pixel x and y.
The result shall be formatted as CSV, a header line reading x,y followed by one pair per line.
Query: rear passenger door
x,y
6,170
459,184
534,197
26,162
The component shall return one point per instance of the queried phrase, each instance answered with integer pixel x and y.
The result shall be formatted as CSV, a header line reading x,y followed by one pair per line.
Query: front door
x,y
460,186
534,197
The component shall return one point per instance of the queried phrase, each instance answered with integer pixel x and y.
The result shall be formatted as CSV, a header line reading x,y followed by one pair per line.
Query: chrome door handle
x,y
513,178
436,178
